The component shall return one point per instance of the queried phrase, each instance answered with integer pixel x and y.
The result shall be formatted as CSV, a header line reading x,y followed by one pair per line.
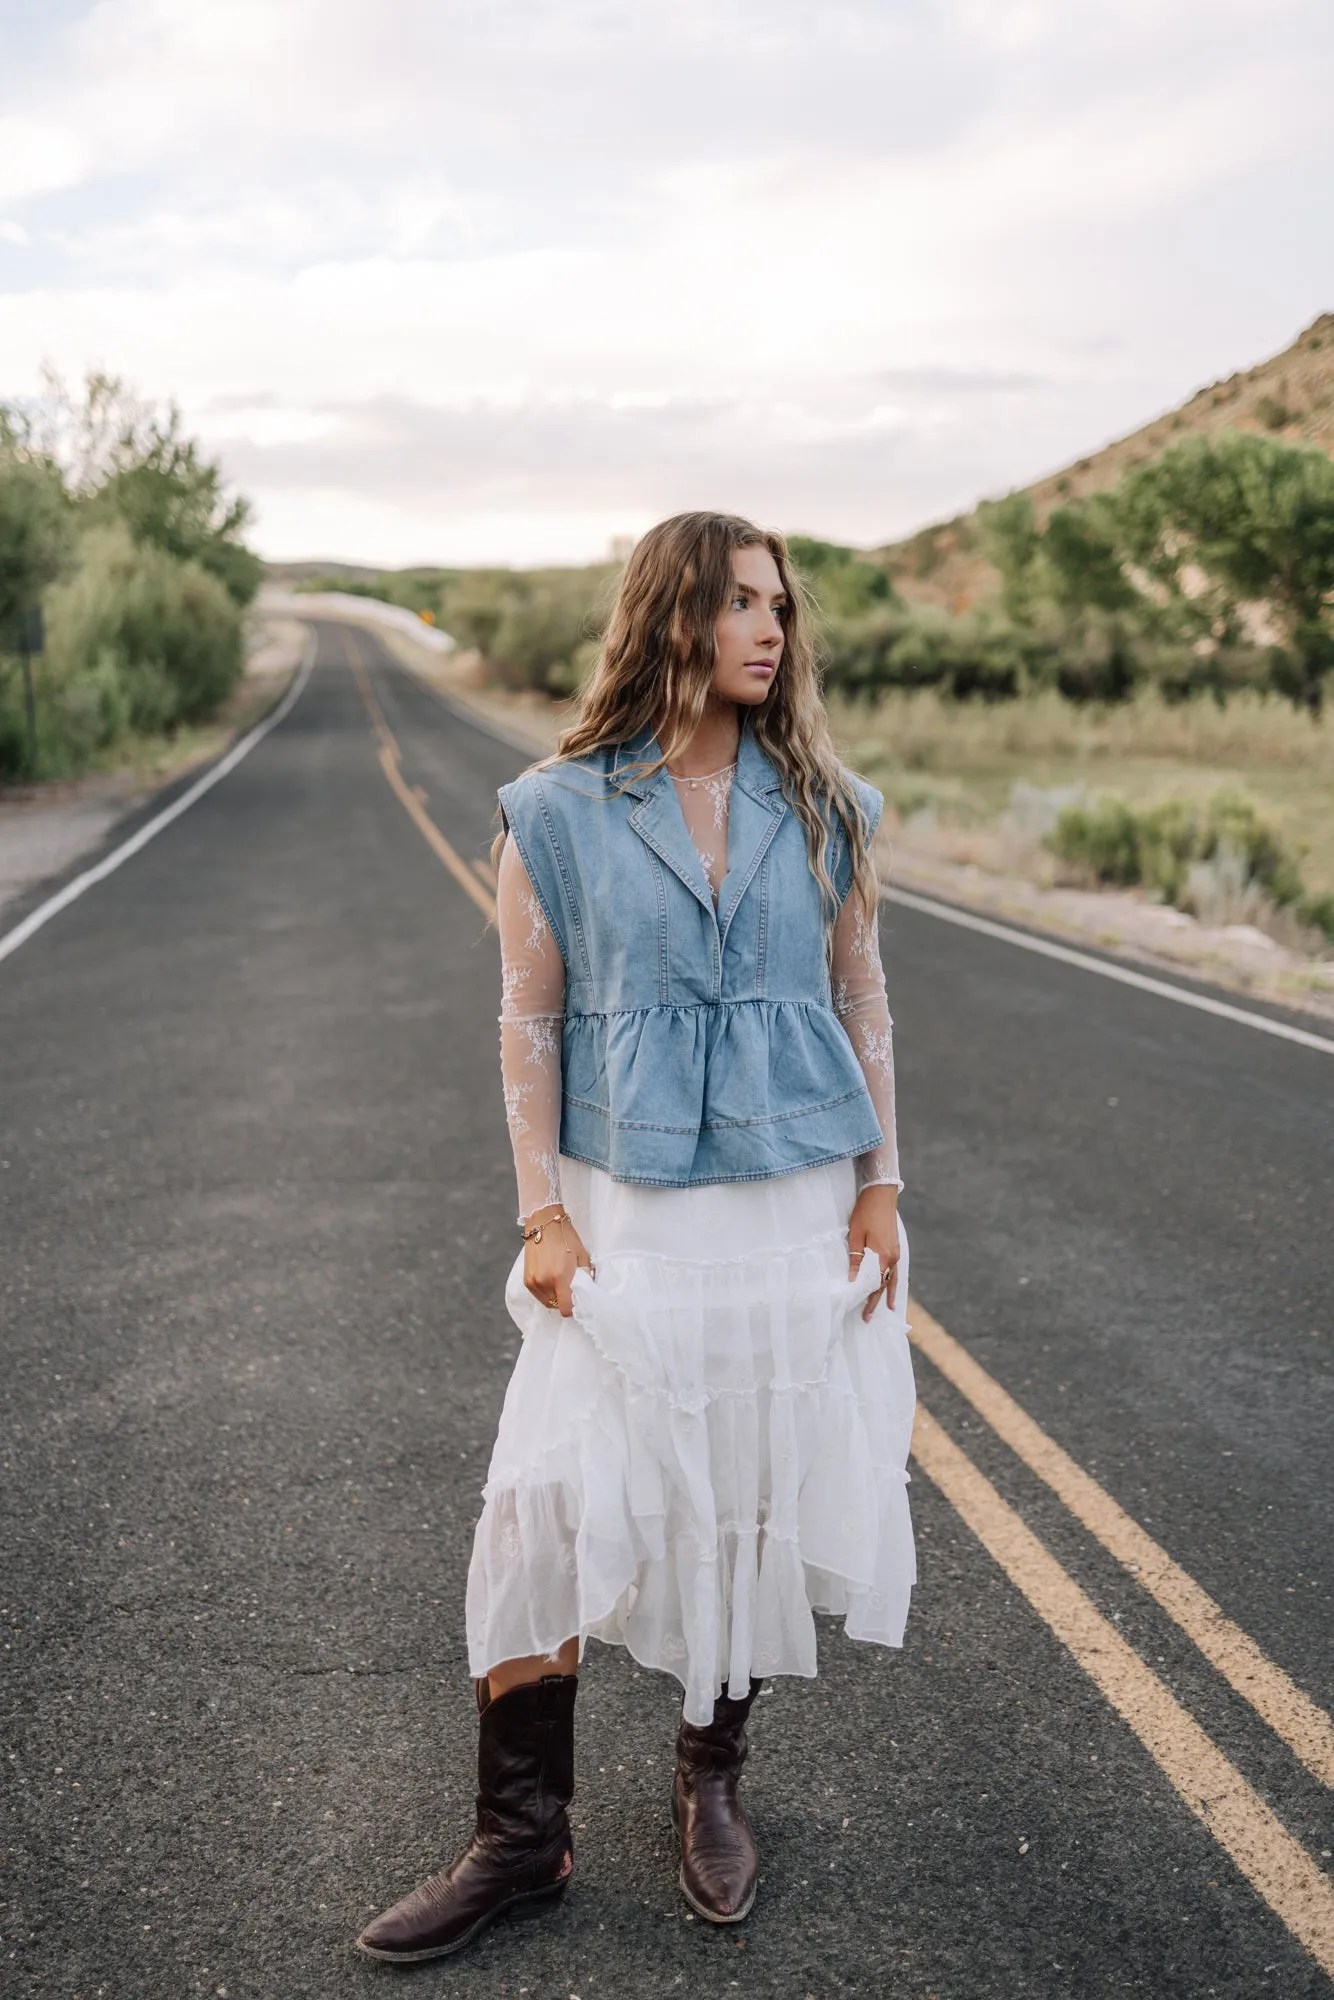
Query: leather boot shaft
x,y
525,1767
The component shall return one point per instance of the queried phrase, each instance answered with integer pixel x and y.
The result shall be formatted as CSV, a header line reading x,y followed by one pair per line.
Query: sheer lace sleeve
x,y
860,1003
532,1008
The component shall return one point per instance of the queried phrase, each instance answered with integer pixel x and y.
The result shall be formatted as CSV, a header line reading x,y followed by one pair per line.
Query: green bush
x,y
1104,839
1318,912
535,628
116,524
1160,846
981,656
137,641
842,582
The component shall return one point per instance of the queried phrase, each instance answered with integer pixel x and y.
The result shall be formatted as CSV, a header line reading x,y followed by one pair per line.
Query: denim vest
x,y
699,1045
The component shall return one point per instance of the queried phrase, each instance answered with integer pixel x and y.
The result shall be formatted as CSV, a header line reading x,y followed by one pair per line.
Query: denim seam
x,y
566,881
534,874
713,1180
714,1124
818,1006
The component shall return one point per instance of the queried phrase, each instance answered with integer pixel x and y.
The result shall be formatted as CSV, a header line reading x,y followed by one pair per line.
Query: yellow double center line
x,y
1276,1865
474,882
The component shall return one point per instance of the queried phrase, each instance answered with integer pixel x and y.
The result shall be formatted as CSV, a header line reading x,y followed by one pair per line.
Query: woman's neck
x,y
713,745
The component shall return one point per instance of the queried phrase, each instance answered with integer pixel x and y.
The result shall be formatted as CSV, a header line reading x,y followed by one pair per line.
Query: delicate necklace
x,y
709,778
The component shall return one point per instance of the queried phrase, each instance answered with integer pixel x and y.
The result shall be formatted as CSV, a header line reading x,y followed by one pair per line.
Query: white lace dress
x,y
715,1445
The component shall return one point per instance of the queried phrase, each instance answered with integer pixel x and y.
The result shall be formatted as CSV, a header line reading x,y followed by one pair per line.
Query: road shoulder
x,y
45,829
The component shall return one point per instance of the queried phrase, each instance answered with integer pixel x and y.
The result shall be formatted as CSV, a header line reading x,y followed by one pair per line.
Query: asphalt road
x,y
256,1210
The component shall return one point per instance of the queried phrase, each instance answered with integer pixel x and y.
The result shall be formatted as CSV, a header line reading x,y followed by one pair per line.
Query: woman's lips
x,y
765,667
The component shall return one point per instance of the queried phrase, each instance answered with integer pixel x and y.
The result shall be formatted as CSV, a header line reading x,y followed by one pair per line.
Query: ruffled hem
x,y
757,1088
712,1449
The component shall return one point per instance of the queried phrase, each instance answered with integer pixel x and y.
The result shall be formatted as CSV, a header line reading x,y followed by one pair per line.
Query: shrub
x,y
980,655
1318,912
544,626
1273,413
34,527
1104,839
1165,847
136,641
843,583
536,628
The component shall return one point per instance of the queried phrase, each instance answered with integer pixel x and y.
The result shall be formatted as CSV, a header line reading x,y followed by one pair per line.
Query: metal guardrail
x,y
347,604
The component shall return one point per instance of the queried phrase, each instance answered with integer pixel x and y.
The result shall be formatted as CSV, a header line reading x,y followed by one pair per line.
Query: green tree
x,y
1013,543
126,460
844,583
1257,518
1083,558
34,523
137,640
172,497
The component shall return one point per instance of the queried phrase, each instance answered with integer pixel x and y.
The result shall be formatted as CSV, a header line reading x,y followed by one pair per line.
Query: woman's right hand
x,y
549,1266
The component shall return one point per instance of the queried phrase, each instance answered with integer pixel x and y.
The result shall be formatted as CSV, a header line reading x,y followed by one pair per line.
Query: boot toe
x,y
388,1936
722,1894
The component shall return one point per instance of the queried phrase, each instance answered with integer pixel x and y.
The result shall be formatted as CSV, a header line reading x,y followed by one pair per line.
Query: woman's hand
x,y
874,1225
549,1266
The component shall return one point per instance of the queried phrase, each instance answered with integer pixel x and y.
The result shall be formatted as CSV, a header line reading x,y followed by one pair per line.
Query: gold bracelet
x,y
534,1235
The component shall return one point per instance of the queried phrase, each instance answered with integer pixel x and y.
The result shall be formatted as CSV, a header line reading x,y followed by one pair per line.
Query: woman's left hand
x,y
874,1226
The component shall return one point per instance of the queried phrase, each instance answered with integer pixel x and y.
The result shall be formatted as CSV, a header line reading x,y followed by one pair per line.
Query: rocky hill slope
x,y
1290,396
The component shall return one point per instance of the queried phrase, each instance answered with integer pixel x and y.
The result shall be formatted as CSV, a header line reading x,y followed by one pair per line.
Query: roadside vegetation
x,y
1206,572
534,629
1149,674
119,531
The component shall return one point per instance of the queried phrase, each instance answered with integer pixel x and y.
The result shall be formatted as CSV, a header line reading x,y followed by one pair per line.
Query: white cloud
x,y
983,236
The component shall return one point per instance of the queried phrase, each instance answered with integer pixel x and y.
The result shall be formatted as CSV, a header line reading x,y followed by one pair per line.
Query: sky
x,y
454,281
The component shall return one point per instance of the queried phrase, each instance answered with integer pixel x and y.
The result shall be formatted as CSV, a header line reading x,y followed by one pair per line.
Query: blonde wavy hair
x,y
655,668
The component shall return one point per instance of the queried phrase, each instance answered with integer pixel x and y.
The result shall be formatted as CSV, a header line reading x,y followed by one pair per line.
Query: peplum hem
x,y
711,1450
757,1088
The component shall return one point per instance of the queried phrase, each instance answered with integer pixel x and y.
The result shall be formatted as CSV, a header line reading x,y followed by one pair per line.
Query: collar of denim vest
x,y
754,772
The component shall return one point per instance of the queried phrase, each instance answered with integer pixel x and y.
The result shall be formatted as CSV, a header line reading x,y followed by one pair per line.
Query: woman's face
x,y
749,633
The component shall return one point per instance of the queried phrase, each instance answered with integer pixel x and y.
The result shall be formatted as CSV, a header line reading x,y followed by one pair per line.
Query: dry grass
x,y
962,761
923,731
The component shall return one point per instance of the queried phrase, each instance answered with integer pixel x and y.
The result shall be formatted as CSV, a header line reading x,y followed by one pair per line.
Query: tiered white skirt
x,y
711,1449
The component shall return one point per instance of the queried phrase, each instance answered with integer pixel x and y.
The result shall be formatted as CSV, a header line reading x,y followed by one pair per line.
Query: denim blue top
x,y
699,1044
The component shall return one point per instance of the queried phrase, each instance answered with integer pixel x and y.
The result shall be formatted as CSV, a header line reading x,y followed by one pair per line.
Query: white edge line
x,y
11,940
1204,1005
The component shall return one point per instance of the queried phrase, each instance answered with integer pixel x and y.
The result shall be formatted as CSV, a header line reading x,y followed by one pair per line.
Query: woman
x,y
705,1435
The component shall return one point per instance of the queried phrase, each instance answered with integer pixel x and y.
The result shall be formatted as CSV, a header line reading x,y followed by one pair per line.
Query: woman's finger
x,y
856,1251
889,1272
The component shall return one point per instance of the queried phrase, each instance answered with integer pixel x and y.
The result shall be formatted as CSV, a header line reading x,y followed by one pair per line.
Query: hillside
x,y
1290,396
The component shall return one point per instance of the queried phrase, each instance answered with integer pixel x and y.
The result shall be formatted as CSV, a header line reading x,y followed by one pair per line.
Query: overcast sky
x,y
497,281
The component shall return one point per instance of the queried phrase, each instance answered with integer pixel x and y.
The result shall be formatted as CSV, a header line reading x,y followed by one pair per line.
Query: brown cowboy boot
x,y
521,1851
719,1863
